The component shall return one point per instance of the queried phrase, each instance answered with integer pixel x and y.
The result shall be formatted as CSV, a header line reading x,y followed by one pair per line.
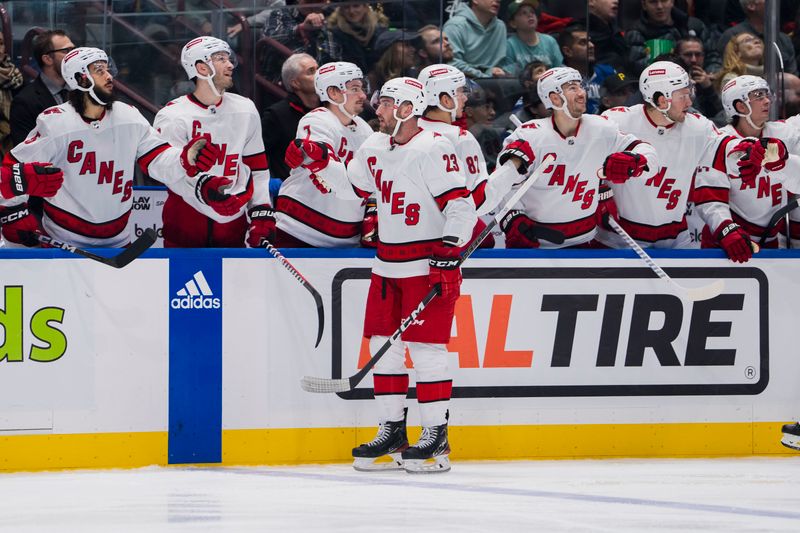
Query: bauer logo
x,y
196,294
613,329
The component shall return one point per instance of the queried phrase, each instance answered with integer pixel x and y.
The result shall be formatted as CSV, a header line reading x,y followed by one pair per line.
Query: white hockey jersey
x,y
93,206
323,220
653,210
421,195
721,197
234,125
564,198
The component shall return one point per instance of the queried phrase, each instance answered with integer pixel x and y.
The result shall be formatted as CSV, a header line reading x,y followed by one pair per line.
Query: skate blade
x,y
437,465
791,441
378,464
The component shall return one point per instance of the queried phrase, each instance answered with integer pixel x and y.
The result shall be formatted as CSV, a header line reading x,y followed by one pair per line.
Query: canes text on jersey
x,y
103,169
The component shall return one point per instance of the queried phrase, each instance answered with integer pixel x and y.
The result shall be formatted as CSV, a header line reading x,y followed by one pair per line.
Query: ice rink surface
x,y
730,495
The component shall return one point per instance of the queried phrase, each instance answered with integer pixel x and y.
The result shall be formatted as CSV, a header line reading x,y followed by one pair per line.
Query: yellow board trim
x,y
333,445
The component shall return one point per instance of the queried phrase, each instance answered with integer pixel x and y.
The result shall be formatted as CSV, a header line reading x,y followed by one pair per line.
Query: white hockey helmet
x,y
438,79
75,65
552,81
664,77
738,89
402,90
336,74
201,49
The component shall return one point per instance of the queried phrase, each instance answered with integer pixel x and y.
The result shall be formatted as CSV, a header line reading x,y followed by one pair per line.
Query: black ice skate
x,y
429,455
791,436
390,441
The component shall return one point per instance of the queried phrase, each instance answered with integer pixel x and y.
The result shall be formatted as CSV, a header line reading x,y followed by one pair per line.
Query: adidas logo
x,y
196,294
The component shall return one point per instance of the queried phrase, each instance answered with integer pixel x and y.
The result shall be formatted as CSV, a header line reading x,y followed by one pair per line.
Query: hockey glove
x,y
35,179
369,226
519,230
199,155
445,272
312,155
19,225
606,207
734,241
262,226
208,191
750,164
620,166
775,155
522,151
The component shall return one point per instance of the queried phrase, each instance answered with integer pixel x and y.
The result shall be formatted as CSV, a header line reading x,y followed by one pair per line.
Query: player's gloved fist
x,y
775,154
312,155
518,228
199,155
369,226
262,225
522,151
606,207
621,166
19,225
734,241
445,272
208,190
35,179
750,164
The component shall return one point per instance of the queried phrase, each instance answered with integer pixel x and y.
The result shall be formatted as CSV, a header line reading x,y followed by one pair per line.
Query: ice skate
x,y
429,454
791,436
391,441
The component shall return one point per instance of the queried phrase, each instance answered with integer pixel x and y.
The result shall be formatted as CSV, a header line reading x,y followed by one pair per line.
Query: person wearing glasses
x,y
235,160
332,131
47,90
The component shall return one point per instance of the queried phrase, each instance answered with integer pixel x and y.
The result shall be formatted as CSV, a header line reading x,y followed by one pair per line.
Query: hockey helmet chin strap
x,y
666,110
748,115
210,79
564,109
91,92
342,109
453,111
398,119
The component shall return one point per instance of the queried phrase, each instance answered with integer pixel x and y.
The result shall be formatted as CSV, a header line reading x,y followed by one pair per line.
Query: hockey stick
x,y
304,282
776,217
694,294
325,385
136,248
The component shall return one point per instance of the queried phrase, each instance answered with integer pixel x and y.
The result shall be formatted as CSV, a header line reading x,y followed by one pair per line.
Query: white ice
x,y
740,494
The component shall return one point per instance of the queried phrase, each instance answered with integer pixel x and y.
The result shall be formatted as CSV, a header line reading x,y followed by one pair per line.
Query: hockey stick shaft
x,y
136,248
323,385
776,217
304,282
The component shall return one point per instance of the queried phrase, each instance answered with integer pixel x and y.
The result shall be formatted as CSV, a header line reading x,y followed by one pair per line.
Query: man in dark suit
x,y
47,90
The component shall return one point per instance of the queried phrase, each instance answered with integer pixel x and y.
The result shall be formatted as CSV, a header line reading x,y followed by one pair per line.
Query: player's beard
x,y
222,82
107,96
387,128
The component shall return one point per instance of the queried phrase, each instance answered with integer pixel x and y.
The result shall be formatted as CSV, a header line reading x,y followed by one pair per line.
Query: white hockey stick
x,y
694,294
326,385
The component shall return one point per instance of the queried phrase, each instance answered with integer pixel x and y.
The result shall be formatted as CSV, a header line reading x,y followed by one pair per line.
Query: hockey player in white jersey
x,y
653,210
425,214
565,198
751,203
229,128
97,142
308,218
445,91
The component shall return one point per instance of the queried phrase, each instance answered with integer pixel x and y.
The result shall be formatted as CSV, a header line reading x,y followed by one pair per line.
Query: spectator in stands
x,y
744,54
527,44
617,90
754,25
398,57
659,27
259,20
532,108
604,32
356,29
478,39
578,52
690,53
527,79
434,48
279,125
479,114
47,90
10,80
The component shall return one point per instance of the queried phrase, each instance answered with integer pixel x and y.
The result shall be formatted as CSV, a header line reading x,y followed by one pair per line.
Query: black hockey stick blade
x,y
777,217
122,259
320,311
548,234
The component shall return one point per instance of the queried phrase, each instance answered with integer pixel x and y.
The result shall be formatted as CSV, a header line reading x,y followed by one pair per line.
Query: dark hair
x,y
565,38
527,70
43,44
688,39
78,99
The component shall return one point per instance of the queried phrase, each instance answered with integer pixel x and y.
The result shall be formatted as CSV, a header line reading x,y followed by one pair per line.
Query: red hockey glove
x,y
199,155
734,241
519,230
18,225
369,226
750,164
312,155
775,155
522,151
207,190
620,166
606,207
262,226
35,179
445,272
